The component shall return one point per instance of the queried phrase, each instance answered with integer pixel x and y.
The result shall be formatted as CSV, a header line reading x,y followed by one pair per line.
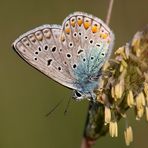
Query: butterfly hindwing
x,y
89,41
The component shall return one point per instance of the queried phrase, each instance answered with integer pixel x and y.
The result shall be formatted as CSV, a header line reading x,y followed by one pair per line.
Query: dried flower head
x,y
124,85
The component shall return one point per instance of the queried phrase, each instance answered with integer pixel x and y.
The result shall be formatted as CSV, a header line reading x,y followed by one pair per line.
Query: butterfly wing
x,y
87,43
41,48
72,54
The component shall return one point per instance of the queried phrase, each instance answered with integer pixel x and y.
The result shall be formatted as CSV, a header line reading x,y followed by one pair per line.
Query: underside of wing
x,y
41,48
87,42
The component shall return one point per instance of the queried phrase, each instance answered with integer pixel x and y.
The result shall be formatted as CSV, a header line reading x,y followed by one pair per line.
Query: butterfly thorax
x,y
87,84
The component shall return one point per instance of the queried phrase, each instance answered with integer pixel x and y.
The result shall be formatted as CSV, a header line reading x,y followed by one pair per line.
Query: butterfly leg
x,y
93,96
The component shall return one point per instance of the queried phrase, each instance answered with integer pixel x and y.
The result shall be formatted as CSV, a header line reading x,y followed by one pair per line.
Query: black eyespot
x,y
92,58
80,33
70,44
53,49
78,94
74,65
72,19
39,48
103,54
75,34
36,52
35,59
98,45
80,51
49,62
91,41
84,59
86,37
68,55
60,50
59,68
46,47
66,24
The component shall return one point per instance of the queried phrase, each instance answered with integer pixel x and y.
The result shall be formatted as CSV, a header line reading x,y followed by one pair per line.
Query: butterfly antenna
x,y
54,108
67,106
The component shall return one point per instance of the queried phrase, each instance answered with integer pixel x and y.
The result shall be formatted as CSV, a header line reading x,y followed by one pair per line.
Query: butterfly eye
x,y
78,94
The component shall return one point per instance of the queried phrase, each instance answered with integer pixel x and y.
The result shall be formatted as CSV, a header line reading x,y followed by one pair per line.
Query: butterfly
x,y
72,54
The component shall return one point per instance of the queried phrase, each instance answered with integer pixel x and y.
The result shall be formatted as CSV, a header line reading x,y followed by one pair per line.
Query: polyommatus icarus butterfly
x,y
71,54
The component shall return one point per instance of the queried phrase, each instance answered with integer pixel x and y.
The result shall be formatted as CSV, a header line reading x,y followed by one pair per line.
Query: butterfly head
x,y
78,95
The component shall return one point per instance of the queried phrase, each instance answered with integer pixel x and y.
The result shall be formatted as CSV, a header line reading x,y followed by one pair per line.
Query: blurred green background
x,y
27,95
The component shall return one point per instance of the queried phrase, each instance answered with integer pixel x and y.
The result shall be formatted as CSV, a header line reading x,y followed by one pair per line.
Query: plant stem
x,y
109,12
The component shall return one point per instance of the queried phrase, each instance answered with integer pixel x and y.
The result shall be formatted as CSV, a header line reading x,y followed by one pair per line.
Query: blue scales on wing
x,y
87,43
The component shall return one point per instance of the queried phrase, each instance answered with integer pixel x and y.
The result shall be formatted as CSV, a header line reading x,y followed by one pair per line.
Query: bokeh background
x,y
27,95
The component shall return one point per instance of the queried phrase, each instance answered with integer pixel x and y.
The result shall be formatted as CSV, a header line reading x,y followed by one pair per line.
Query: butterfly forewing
x,y
42,49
